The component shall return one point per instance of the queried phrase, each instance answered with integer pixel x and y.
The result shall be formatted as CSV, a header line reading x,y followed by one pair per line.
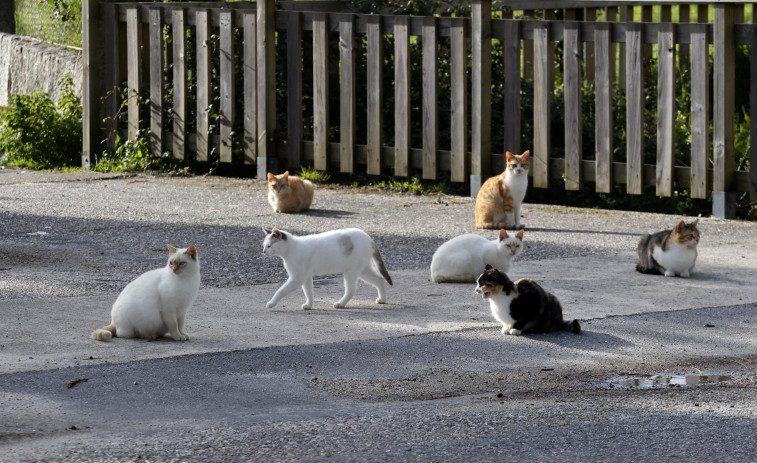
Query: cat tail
x,y
647,270
380,265
572,326
104,333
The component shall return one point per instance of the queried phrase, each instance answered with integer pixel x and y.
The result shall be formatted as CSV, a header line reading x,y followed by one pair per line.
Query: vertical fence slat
x,y
604,60
320,91
401,96
626,15
573,110
459,102
250,87
134,60
202,34
528,52
375,95
178,25
700,109
226,66
634,108
430,109
665,108
723,98
590,15
112,74
294,90
481,78
753,114
156,82
266,45
543,88
347,94
511,58
684,16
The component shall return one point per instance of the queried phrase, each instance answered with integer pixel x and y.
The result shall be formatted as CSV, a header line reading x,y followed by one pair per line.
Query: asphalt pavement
x,y
665,367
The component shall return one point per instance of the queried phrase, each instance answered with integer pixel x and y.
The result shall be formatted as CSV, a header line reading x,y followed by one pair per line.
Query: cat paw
x,y
685,274
270,305
306,306
380,300
338,305
670,273
514,332
181,337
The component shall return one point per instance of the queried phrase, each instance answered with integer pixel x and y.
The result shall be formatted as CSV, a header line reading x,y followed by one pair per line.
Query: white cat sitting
x,y
464,257
156,302
349,251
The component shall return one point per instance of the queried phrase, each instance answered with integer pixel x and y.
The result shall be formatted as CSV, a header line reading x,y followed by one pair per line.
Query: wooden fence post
x,y
481,75
266,86
93,90
723,199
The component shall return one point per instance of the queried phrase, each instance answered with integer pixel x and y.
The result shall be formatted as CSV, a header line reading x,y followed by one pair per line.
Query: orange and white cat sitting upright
x,y
289,193
499,199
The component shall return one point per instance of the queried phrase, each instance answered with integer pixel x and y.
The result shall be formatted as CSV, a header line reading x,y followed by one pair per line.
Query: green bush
x,y
39,133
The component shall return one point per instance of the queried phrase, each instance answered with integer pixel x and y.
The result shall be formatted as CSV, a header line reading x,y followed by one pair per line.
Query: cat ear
x,y
694,223
680,226
489,267
502,234
271,177
526,154
192,252
171,249
286,175
508,156
519,235
267,232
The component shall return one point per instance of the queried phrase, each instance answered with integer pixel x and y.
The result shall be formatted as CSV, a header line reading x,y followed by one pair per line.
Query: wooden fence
x,y
209,73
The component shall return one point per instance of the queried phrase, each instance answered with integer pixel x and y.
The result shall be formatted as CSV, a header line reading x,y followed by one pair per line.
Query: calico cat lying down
x,y
669,252
522,306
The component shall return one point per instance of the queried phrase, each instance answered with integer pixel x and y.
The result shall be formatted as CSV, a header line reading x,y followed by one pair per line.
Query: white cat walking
x,y
348,251
156,302
464,257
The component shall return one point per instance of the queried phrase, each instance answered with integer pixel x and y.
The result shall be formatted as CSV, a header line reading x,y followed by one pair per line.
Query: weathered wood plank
x,y
375,95
202,34
459,102
723,98
226,68
511,57
626,15
401,96
542,90
178,28
684,53
250,69
481,78
634,109
347,94
590,16
266,39
320,91
156,82
294,90
113,71
134,60
700,109
665,109
430,109
573,110
604,60
753,118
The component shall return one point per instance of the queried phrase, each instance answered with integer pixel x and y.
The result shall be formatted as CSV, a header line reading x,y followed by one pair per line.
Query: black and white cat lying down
x,y
522,306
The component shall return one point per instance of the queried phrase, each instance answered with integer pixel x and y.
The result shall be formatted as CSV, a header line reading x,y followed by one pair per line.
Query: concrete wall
x,y
28,65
